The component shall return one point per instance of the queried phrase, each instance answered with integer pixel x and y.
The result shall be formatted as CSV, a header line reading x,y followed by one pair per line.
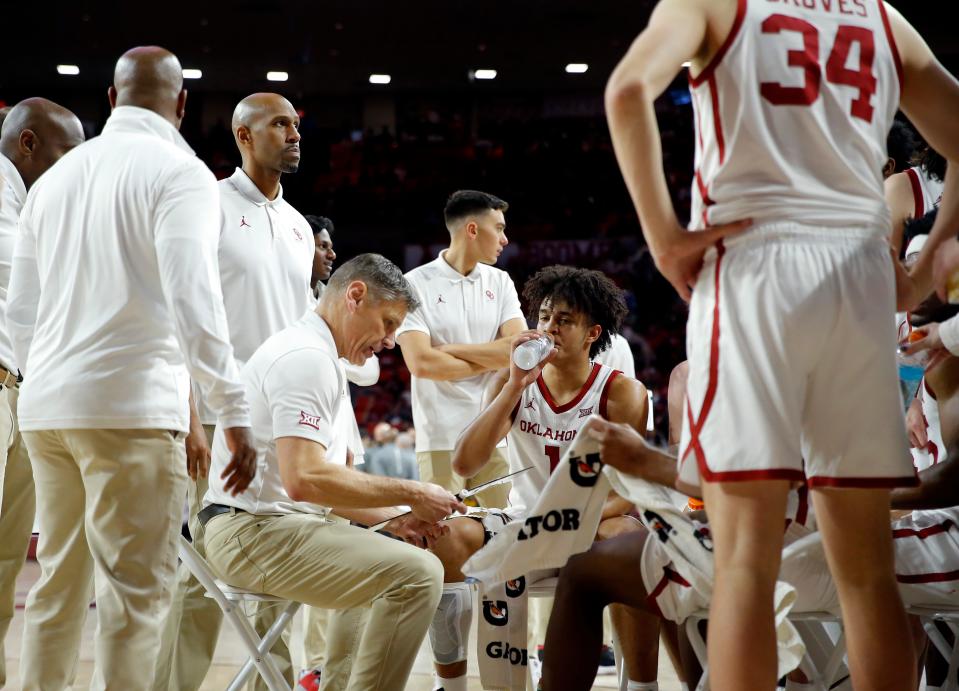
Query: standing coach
x,y
114,304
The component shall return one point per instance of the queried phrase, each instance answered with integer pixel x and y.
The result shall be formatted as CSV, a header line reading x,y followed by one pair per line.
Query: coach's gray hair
x,y
382,277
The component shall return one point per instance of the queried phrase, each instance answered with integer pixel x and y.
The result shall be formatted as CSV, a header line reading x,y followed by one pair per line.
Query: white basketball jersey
x,y
542,431
926,191
792,115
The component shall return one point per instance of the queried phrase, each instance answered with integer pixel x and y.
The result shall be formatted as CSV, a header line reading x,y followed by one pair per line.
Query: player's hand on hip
x,y
432,503
680,257
197,452
239,473
521,377
916,425
620,446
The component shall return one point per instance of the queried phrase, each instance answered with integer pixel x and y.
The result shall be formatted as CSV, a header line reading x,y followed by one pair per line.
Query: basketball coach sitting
x,y
274,537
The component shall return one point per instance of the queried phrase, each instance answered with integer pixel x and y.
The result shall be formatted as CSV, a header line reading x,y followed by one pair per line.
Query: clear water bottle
x,y
529,354
911,370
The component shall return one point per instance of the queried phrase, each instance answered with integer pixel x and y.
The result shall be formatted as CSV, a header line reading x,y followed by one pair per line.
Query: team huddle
x,y
167,338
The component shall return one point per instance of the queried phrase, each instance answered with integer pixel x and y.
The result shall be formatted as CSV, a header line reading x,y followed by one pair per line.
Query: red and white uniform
x,y
542,431
789,325
935,449
670,595
792,114
926,191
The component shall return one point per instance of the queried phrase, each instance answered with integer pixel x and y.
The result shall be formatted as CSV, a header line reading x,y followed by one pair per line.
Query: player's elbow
x,y
463,465
624,91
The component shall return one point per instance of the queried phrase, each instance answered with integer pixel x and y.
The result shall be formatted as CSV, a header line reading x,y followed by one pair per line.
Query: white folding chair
x,y
547,588
231,600
949,651
822,664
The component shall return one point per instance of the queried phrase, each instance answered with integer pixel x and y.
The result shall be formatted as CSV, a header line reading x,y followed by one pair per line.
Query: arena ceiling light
x,y
70,70
380,79
190,73
484,74
277,76
576,67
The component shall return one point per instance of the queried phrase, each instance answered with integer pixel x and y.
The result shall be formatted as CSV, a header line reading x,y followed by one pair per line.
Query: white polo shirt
x,y
114,293
455,309
12,196
296,388
618,356
265,255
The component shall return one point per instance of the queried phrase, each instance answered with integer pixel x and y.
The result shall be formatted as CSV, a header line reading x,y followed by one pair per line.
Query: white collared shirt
x,y
114,292
296,388
12,195
618,355
265,256
455,309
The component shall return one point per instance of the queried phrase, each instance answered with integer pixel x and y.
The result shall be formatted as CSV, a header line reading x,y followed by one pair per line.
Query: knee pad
x,y
449,630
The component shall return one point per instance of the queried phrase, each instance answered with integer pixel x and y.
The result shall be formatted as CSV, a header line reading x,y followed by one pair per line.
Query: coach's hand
x,y
679,257
239,473
522,377
197,452
432,503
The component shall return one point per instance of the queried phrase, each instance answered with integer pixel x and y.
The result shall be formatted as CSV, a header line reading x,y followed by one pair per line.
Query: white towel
x,y
691,552
562,523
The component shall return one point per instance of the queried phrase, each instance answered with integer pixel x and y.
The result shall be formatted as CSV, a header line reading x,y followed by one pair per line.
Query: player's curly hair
x,y
588,291
930,161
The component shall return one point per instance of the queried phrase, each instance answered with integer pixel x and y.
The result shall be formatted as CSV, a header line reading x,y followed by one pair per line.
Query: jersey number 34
x,y
862,79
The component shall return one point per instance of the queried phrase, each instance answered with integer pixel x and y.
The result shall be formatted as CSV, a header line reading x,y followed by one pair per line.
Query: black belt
x,y
215,510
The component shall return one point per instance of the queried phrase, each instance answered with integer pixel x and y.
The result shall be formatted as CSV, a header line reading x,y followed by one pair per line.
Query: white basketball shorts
x,y
792,372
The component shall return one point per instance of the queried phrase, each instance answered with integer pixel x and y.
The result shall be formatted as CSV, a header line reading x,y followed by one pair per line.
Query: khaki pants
x,y
192,628
17,510
300,557
437,467
316,621
108,503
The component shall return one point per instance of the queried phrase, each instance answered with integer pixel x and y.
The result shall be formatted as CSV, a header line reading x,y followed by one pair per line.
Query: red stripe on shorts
x,y
938,577
863,482
922,534
696,426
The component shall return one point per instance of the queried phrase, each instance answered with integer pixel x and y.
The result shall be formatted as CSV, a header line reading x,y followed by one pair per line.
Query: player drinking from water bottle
x,y
540,410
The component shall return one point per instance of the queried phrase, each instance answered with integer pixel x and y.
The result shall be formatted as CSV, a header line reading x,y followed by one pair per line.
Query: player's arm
x,y
476,443
938,488
899,198
677,32
628,404
423,360
675,400
930,98
492,355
